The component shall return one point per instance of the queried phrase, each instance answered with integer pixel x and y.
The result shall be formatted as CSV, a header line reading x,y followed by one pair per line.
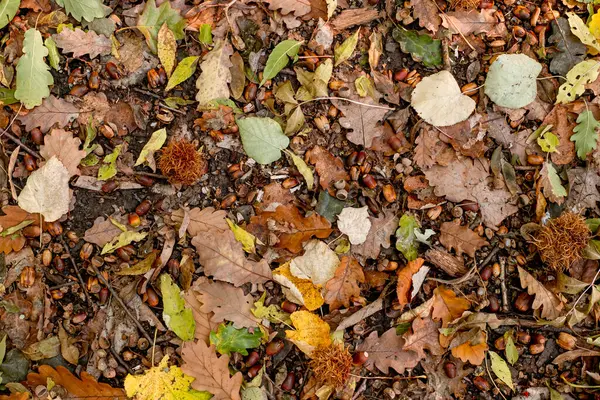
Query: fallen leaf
x,y
581,74
280,56
184,70
272,313
355,223
330,168
363,119
167,48
65,147
68,350
86,9
405,275
585,134
247,239
581,30
428,147
447,306
310,331
46,348
204,325
550,304
211,372
37,5
47,191
52,111
224,259
225,303
33,75
344,285
469,22
203,220
375,49
152,18
102,232
573,355
297,7
570,49
228,339
298,290
472,347
432,95
213,82
583,189
427,13
422,48
344,51
318,263
562,127
263,139
124,238
500,368
382,228
511,80
82,43
386,351
551,184
177,317
154,144
460,238
424,336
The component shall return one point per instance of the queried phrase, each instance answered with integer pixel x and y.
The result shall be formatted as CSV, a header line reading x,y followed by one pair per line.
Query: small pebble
x,y
406,162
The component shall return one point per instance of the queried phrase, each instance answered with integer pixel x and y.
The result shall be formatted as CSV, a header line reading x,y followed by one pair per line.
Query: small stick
x,y
150,174
121,361
19,143
74,264
62,285
123,305
503,284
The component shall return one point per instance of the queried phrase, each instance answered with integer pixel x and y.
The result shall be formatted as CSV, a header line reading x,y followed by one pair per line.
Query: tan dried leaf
x,y
202,220
227,303
562,126
427,13
329,167
461,238
468,22
223,258
65,147
344,284
428,147
52,111
424,336
203,320
297,7
364,121
81,43
211,372
382,228
102,232
37,5
212,82
386,351
551,306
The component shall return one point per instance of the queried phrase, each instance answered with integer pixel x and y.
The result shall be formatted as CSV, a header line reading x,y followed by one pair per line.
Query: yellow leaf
x,y
123,240
167,46
163,383
311,331
156,141
303,169
244,237
584,34
140,267
580,75
595,25
298,290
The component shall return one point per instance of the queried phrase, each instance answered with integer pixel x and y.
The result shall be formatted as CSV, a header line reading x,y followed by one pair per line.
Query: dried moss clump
x,y
182,163
562,240
331,364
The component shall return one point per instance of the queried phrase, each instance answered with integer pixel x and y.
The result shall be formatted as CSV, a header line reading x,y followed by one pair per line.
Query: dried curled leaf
x,y
550,304
447,306
344,285
405,280
297,290
65,147
386,351
460,238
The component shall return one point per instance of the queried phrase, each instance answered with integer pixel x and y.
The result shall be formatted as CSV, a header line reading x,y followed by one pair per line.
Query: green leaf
x,y
262,139
123,239
422,48
405,237
554,394
7,97
285,93
580,29
184,70
328,206
345,50
548,142
228,339
177,316
175,102
16,228
2,348
511,352
304,169
33,76
295,121
247,239
511,80
152,18
364,86
156,141
592,251
569,285
586,134
8,10
86,9
271,313
557,188
581,74
109,169
279,58
53,54
205,34
501,369
593,224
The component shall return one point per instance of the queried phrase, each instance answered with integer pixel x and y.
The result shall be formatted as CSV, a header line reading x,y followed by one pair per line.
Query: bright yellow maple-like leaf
x,y
298,290
311,331
163,383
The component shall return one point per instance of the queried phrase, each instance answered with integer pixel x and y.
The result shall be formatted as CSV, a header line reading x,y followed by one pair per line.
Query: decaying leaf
x,y
65,147
298,290
33,75
405,275
154,144
550,304
447,306
355,223
225,303
460,238
177,317
382,228
212,82
470,346
202,220
344,285
330,168
52,111
424,336
386,351
364,120
310,331
318,263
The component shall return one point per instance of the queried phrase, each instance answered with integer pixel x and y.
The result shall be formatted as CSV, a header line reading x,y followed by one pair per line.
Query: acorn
x,y
450,369
360,357
566,341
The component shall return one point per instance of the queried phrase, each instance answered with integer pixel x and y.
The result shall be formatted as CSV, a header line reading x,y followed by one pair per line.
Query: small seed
x,y
389,193
497,43
360,357
144,180
395,143
538,338
434,213
336,85
523,337
469,88
522,302
252,359
109,186
535,159
228,200
86,251
400,75
500,343
27,278
79,90
486,273
566,341
94,80
113,70
536,348
321,123
522,13
494,304
289,382
143,208
151,297
369,181
153,78
30,164
253,371
37,136
46,258
288,307
32,231
134,220
274,347
341,194
143,343
79,318
450,369
103,295
481,383
289,183
250,92
518,31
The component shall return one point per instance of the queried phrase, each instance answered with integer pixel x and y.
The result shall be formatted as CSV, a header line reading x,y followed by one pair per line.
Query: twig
x,y
121,361
19,143
348,100
150,174
525,167
361,388
503,284
62,285
121,303
88,299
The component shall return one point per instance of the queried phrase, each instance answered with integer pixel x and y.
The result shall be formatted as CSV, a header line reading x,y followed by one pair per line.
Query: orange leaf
x,y
446,306
329,167
344,284
15,396
12,243
424,336
86,387
472,350
405,280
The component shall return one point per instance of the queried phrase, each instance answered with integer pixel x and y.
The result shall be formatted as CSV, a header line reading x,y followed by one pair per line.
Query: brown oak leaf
x,y
329,167
86,387
460,238
405,280
81,43
52,111
202,220
470,346
227,303
429,147
457,179
364,121
385,351
382,228
427,13
562,126
440,383
467,22
103,231
223,258
290,227
211,372
583,189
274,195
297,7
447,306
203,320
551,306
424,336
64,146
37,5
344,284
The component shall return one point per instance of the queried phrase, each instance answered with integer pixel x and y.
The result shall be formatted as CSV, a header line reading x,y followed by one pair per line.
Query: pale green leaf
x,y
592,251
109,168
228,339
271,313
501,369
364,86
557,188
46,348
331,6
156,141
86,9
511,80
586,134
8,10
405,237
511,352
123,239
33,75
295,121
580,29
205,34
185,69
593,224
247,239
548,142
345,50
7,96
279,58
177,316
423,237
554,394
262,139
176,102
581,74
53,54
254,393
303,169
2,348
569,285
167,46
213,81
285,93
16,228
422,48
152,18
141,267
